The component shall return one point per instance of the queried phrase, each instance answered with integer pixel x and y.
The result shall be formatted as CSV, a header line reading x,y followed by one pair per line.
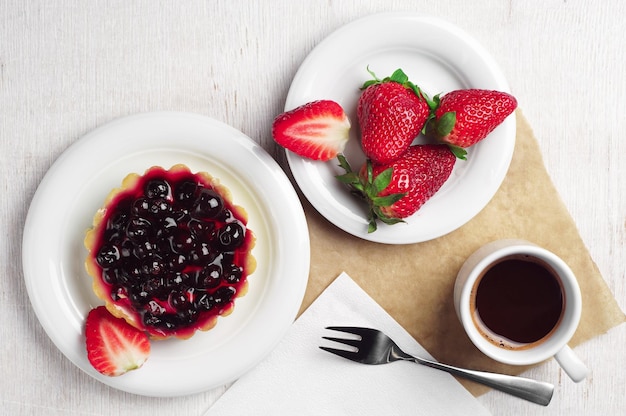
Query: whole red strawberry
x,y
391,114
465,117
397,190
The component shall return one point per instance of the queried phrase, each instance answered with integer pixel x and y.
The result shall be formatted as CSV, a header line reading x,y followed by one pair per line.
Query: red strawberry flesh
x,y
114,347
318,130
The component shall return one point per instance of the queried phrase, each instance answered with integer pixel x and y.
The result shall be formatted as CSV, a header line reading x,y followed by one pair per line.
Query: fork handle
x,y
534,391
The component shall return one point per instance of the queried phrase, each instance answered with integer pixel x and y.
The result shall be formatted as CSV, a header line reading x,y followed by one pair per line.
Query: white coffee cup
x,y
554,344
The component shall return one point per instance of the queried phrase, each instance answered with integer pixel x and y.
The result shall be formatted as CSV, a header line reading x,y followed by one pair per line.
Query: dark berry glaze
x,y
171,251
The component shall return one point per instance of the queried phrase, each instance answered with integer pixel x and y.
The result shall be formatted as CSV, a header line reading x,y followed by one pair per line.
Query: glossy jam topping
x,y
171,252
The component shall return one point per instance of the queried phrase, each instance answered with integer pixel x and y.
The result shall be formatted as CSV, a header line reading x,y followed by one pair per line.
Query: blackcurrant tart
x,y
169,252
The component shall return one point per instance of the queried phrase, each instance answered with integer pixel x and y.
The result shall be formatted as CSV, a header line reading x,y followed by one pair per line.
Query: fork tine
x,y
362,332
350,355
351,342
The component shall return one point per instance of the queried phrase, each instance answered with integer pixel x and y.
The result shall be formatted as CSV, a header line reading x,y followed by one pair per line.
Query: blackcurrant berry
x,y
231,236
223,295
157,188
178,300
138,229
208,204
209,277
185,192
108,256
233,273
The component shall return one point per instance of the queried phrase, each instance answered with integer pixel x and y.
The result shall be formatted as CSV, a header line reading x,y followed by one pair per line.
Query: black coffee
x,y
518,302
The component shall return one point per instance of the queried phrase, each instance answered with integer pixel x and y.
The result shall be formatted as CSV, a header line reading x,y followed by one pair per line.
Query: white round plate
x,y
76,186
436,56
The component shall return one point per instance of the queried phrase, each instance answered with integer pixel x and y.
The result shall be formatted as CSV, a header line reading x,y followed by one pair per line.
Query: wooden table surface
x,y
67,67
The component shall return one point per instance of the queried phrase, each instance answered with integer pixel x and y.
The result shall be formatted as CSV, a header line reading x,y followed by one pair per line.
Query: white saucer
x,y
438,57
75,187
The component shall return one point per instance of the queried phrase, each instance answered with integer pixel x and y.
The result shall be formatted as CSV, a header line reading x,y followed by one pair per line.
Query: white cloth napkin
x,y
298,378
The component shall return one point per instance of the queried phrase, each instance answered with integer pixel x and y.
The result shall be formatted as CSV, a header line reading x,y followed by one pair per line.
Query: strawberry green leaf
x,y
445,124
428,128
371,226
416,90
433,104
387,200
399,76
391,221
377,214
370,171
459,152
382,180
343,162
349,178
369,83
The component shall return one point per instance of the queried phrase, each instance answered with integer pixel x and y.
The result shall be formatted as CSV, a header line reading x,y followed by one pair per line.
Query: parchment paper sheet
x,y
414,283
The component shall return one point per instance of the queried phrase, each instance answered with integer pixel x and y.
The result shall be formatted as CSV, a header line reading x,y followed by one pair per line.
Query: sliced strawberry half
x,y
113,346
318,130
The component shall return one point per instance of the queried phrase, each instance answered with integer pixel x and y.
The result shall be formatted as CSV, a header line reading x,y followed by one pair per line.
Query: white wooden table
x,y
67,67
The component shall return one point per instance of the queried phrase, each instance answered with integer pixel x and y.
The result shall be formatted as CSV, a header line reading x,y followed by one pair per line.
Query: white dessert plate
x,y
438,57
76,186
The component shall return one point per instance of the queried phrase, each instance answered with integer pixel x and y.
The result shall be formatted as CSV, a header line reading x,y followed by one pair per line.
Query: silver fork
x,y
374,347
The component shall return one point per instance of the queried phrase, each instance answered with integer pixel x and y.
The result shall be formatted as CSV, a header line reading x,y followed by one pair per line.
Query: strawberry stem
x,y
374,81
